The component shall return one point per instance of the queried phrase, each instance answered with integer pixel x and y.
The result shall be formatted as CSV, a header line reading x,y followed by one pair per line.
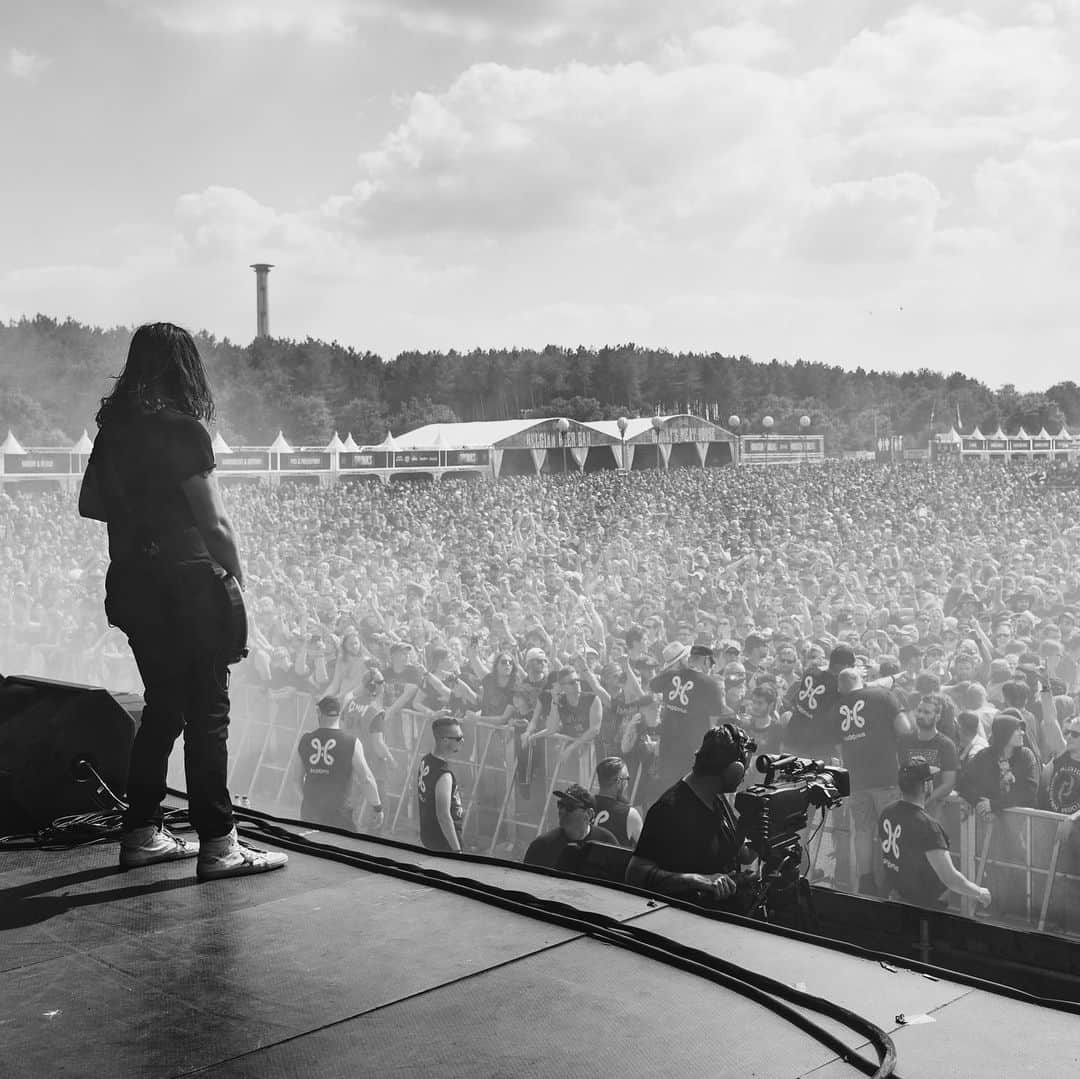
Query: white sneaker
x,y
150,845
228,857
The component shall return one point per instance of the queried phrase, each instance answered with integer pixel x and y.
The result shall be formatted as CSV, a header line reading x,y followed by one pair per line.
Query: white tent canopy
x,y
335,445
388,443
84,445
219,445
11,444
349,445
279,445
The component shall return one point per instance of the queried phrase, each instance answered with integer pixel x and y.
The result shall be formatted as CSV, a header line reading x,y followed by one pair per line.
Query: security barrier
x,y
1022,855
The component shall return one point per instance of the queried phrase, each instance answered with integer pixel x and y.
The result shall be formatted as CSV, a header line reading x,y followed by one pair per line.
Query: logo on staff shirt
x,y
680,689
809,693
322,753
425,771
852,716
891,842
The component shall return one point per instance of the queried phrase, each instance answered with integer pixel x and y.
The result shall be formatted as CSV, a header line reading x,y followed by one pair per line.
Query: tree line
x,y
53,374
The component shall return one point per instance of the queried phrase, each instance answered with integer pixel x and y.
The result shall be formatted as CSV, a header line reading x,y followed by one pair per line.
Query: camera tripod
x,y
780,894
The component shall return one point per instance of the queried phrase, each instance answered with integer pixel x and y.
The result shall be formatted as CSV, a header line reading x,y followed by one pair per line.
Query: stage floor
x,y
326,970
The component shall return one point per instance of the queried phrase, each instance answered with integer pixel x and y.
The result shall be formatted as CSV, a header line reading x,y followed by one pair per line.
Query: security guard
x,y
914,864
333,774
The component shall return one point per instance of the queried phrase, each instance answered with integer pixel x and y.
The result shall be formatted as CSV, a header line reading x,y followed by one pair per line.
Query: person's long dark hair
x,y
163,370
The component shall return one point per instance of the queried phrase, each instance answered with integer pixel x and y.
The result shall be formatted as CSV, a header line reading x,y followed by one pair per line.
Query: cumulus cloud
x,y
22,64
888,217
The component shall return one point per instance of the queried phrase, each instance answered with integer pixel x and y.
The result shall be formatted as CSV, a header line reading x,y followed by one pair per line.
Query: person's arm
x,y
1051,740
296,774
645,873
442,811
946,782
953,879
91,504
465,692
590,679
530,727
363,783
902,725
633,824
204,500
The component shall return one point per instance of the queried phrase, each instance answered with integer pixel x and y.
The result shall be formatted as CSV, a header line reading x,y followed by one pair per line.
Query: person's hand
x,y
722,885
983,810
984,899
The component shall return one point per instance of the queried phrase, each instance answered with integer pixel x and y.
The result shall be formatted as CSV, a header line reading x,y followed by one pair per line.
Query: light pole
x,y
563,425
622,423
657,423
733,422
804,423
767,424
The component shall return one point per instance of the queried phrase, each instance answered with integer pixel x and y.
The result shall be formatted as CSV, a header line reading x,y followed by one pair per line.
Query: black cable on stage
x,y
765,991
833,944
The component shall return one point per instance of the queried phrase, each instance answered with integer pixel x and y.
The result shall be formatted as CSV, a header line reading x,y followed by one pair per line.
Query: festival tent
x,y
219,445
279,445
84,445
335,445
349,445
11,444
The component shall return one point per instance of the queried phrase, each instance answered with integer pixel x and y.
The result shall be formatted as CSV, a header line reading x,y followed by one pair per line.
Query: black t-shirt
x,y
140,461
682,835
866,731
495,699
938,751
906,833
813,704
693,702
1063,791
548,849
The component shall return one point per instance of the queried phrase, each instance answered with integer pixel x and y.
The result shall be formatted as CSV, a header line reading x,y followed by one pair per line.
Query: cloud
x,y
26,65
886,218
320,20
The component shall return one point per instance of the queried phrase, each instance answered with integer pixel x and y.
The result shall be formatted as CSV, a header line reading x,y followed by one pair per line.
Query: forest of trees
x,y
52,375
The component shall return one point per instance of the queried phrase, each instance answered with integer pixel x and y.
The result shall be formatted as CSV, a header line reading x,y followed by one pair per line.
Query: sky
x,y
863,183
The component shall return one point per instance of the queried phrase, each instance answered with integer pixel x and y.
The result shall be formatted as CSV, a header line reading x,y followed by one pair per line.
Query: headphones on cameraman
x,y
734,742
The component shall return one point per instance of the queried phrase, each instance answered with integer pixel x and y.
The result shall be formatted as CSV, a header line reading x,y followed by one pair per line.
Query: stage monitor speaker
x,y
46,728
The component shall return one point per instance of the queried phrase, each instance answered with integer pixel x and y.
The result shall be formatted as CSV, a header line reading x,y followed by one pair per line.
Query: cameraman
x,y
689,846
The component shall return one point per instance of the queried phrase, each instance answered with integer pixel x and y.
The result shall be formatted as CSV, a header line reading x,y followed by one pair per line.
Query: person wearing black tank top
x,y
613,811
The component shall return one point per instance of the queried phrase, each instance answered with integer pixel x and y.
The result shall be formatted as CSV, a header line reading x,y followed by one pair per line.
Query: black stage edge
x,y
327,970
1041,964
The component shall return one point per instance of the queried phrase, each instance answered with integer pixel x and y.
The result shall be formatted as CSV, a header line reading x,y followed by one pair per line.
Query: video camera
x,y
774,812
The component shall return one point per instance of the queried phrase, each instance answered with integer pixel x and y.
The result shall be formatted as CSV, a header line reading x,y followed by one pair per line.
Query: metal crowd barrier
x,y
1032,871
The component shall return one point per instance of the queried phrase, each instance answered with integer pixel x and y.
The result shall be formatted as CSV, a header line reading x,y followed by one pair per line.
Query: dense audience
x,y
515,601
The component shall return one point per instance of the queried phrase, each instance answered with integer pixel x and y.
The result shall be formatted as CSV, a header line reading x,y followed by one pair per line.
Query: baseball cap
x,y
917,769
535,654
675,652
701,650
576,797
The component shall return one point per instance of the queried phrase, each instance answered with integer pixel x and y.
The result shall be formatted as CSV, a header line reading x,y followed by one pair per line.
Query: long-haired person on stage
x,y
173,586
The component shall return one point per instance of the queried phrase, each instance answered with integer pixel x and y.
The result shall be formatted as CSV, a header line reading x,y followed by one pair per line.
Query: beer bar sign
x,y
300,461
365,459
32,463
253,461
466,457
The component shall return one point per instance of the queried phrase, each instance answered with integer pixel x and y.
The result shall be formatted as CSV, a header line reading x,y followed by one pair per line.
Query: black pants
x,y
193,698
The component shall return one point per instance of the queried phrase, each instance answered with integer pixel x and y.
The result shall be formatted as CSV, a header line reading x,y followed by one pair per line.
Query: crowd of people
x,y
565,607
